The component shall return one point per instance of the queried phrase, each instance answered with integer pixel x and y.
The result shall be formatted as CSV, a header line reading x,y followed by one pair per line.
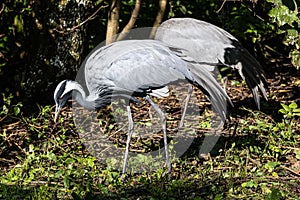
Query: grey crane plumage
x,y
211,46
141,68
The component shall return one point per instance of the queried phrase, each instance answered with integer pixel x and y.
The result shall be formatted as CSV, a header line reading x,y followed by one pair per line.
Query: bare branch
x,y
132,20
113,21
89,18
223,3
159,16
2,9
2,56
68,30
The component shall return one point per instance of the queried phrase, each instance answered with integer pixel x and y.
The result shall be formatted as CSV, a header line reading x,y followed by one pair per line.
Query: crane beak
x,y
57,111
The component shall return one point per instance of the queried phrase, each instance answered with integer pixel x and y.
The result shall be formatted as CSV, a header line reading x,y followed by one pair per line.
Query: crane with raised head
x,y
138,68
212,46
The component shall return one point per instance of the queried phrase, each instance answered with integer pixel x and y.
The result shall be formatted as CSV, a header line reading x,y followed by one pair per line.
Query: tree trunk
x,y
56,47
132,20
159,16
113,21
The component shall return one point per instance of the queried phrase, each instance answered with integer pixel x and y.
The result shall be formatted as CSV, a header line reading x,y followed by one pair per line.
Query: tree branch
x,y
159,16
3,6
68,30
113,21
132,20
89,18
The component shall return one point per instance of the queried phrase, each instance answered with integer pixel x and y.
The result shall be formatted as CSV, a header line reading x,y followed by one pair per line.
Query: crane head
x,y
62,93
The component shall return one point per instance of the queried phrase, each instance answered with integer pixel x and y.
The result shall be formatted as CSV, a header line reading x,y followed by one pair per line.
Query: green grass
x,y
260,159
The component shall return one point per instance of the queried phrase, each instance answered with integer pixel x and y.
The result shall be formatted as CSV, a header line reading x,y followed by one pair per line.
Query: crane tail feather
x,y
213,90
252,73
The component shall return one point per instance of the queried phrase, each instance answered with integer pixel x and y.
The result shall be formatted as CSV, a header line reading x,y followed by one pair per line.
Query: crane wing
x,y
136,66
205,42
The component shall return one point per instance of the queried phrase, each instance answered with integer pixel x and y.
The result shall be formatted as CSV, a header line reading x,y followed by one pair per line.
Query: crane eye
x,y
59,98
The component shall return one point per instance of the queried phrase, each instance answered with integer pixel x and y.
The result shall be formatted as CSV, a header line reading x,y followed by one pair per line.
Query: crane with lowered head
x,y
138,68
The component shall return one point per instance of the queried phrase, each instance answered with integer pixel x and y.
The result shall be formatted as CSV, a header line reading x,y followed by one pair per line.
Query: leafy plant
x,y
13,30
8,109
288,22
290,111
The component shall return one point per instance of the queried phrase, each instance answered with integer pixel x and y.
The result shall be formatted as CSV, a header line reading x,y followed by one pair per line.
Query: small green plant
x,y
290,111
9,109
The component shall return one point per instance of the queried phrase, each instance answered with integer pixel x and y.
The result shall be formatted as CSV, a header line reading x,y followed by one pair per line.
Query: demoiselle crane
x,y
138,68
212,46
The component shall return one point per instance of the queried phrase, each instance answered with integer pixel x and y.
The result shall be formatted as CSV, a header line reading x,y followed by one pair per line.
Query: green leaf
x,y
59,173
235,83
296,114
219,197
297,152
31,148
285,107
283,15
18,23
91,161
69,160
270,166
148,124
274,174
51,156
295,55
293,105
291,37
183,9
66,181
276,2
16,110
282,111
274,195
249,184
111,126
296,110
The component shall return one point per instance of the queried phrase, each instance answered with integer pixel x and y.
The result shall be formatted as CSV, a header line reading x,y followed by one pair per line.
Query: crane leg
x,y
187,100
164,127
130,132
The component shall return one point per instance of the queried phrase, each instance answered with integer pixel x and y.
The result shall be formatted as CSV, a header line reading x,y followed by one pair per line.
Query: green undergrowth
x,y
259,159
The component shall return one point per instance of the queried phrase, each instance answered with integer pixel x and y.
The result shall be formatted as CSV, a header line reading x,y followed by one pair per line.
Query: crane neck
x,y
82,100
89,103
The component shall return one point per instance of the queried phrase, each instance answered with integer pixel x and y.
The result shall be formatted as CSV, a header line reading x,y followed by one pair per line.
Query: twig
x,y
223,3
281,178
273,50
38,183
11,126
3,6
68,30
89,18
19,147
5,115
286,147
131,21
294,172
296,7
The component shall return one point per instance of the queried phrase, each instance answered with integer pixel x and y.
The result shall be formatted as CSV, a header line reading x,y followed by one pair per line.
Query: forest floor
x,y
256,155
